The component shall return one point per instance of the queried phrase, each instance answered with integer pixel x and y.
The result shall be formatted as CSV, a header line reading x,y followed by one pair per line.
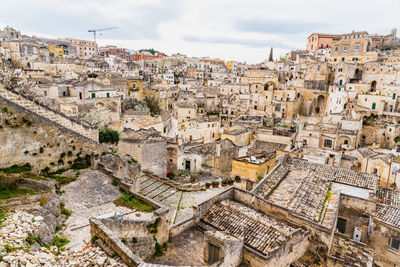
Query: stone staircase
x,y
14,98
180,203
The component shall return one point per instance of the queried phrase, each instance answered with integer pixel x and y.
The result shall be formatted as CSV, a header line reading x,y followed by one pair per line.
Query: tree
x,y
132,103
271,55
95,116
109,136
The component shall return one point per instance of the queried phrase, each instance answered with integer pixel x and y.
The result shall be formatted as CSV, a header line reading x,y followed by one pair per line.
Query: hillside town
x,y
111,156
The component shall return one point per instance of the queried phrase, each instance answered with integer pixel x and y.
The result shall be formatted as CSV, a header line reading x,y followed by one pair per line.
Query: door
x,y
213,253
187,165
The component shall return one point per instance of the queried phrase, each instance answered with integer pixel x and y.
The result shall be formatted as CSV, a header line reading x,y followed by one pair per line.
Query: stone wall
x,y
29,137
97,228
112,231
230,248
46,112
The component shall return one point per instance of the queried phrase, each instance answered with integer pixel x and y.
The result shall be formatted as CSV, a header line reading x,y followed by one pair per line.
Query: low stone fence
x,y
133,227
181,227
174,184
97,228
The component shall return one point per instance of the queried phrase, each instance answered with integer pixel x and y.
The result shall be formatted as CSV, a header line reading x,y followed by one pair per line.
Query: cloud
x,y
256,43
278,26
230,29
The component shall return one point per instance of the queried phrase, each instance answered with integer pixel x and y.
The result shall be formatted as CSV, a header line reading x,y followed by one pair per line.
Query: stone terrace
x,y
259,231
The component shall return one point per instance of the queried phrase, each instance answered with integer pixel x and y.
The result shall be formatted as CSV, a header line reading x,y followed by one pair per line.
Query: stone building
x,y
147,147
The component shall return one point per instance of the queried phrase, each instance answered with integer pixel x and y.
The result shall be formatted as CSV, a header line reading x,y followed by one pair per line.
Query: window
x,y
93,95
340,69
345,48
359,165
341,225
327,143
356,48
336,48
375,170
394,96
395,244
373,105
108,94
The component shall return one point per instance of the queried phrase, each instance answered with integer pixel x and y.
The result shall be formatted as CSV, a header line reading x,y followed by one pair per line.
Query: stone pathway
x,y
180,202
89,196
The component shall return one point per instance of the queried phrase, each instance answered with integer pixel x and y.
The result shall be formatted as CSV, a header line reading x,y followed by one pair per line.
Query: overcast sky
x,y
228,29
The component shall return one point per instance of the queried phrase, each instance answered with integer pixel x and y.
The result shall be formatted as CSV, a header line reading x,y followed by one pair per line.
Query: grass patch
x,y
130,201
12,190
17,168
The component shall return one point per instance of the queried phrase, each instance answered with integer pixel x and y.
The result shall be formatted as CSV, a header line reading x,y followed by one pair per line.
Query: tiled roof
x,y
388,196
259,231
307,260
389,215
264,146
302,187
352,253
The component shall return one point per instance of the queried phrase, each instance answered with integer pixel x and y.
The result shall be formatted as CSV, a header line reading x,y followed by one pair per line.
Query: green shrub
x,y
41,150
114,183
93,239
11,190
62,155
3,214
60,241
64,210
109,136
26,152
5,109
134,240
80,163
42,201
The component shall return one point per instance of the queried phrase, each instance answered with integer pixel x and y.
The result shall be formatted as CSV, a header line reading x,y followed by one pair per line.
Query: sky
x,y
226,29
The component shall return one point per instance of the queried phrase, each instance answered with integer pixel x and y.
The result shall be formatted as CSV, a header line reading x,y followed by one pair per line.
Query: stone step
x,y
158,191
166,194
151,188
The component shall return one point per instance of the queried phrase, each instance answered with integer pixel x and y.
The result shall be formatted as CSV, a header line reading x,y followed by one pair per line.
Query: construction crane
x,y
100,30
